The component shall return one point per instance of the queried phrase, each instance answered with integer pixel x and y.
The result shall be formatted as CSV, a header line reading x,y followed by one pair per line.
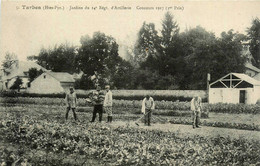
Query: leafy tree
x,y
84,83
17,84
123,75
217,57
10,58
148,43
170,30
98,56
58,59
34,73
254,36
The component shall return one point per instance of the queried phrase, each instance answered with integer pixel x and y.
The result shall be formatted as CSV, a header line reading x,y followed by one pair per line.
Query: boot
x,y
108,119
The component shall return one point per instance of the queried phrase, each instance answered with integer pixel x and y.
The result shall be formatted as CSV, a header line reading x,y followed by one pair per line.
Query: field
x,y
37,134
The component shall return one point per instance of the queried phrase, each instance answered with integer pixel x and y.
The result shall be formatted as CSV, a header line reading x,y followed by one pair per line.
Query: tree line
x,y
165,59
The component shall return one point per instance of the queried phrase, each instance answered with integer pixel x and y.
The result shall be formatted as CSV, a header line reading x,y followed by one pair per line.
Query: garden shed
x,y
234,88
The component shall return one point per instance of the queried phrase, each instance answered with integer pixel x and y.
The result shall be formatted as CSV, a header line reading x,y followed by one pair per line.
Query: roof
x,y
241,76
20,69
250,66
247,78
62,76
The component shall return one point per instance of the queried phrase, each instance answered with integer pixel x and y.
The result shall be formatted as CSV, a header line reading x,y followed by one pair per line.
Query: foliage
x,y
121,145
254,36
10,58
17,84
160,105
60,58
104,64
34,73
148,42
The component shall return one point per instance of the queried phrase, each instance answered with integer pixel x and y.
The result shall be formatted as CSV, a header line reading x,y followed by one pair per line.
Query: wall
x,y
182,93
45,85
230,95
255,94
223,95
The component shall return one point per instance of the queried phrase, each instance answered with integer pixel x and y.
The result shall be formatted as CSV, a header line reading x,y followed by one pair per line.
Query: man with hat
x,y
71,101
97,100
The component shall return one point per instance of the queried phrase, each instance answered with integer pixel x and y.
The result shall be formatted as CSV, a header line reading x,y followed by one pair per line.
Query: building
x,y
51,82
251,70
234,88
18,69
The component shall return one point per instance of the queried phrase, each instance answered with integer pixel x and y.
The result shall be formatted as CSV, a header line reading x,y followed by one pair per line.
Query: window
x,y
44,76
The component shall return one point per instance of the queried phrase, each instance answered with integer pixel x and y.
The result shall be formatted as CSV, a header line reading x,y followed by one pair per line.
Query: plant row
x,y
46,112
117,96
126,145
168,105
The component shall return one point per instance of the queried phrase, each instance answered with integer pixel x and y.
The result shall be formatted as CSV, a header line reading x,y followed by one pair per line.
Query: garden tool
x,y
141,118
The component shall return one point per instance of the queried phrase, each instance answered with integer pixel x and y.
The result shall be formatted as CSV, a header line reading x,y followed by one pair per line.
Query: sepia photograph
x,y
127,82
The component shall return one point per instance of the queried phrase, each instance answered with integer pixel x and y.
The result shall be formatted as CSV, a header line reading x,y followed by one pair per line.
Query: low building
x,y
235,88
51,82
18,69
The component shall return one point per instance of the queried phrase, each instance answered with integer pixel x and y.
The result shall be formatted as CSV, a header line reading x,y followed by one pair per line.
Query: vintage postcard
x,y
129,82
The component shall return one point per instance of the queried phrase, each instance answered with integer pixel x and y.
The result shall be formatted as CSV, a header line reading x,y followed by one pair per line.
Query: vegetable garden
x,y
34,132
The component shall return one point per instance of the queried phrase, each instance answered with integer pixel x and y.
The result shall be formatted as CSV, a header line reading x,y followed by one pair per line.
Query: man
x,y
108,104
97,98
71,101
147,108
196,111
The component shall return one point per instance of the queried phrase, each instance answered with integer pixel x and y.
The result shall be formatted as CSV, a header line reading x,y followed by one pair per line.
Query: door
x,y
242,96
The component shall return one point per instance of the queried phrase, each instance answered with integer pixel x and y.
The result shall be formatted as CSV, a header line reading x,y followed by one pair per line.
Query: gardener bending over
x,y
196,111
147,108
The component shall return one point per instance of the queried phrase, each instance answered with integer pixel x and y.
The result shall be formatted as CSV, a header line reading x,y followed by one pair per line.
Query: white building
x,y
18,69
51,82
235,88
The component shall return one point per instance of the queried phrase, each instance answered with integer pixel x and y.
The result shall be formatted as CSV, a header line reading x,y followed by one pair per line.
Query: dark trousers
x,y
74,112
97,109
196,118
147,118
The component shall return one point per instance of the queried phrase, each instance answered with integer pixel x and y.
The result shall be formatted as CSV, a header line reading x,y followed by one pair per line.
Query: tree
x,y
60,58
10,58
254,36
17,84
148,43
34,73
98,56
217,57
170,30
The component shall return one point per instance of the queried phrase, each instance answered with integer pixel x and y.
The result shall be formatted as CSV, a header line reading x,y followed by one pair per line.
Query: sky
x,y
25,31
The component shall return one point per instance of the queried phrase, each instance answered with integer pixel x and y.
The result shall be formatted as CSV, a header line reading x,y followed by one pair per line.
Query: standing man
x,y
97,98
147,108
71,101
108,104
196,111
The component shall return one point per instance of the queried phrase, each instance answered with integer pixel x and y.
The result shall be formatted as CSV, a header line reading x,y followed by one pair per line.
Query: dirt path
x,y
187,130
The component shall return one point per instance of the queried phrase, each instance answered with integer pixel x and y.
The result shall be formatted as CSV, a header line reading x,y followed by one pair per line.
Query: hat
x,y
98,88
71,88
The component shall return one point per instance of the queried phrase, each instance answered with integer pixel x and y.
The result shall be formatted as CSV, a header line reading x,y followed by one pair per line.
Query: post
x,y
208,79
